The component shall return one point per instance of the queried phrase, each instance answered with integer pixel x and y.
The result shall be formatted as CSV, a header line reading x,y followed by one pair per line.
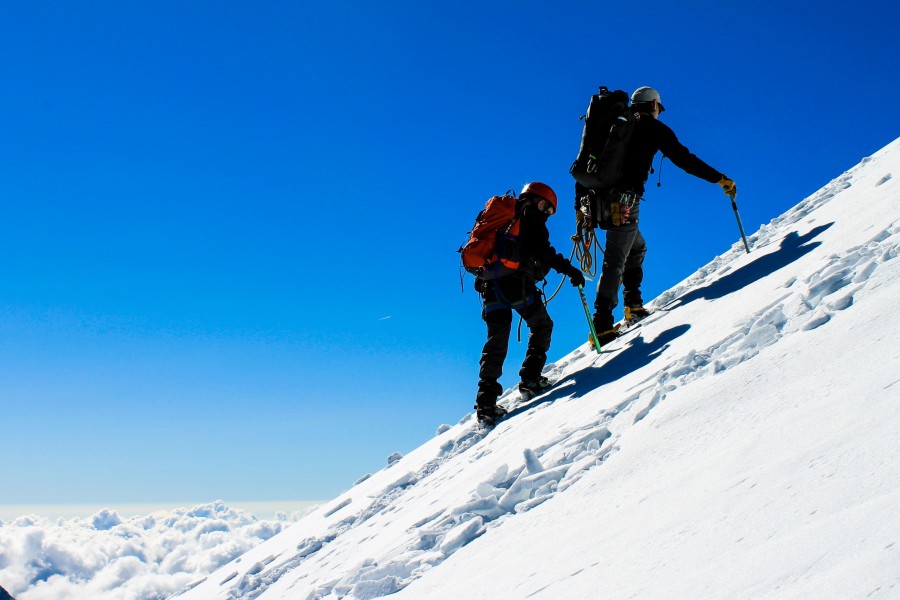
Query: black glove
x,y
479,285
575,277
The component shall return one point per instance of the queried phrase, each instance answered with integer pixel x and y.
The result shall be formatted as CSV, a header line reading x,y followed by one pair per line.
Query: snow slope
x,y
743,443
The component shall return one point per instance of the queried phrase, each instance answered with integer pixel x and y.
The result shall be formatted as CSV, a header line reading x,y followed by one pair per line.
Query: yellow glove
x,y
728,187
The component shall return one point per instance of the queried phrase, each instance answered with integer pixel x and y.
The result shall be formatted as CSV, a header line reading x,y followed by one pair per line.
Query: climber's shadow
x,y
635,354
792,247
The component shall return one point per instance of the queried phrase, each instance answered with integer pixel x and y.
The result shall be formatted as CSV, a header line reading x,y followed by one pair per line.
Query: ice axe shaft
x,y
587,314
740,225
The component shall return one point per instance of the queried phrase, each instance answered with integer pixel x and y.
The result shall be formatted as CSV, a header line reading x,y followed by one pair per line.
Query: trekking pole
x,y
740,226
587,314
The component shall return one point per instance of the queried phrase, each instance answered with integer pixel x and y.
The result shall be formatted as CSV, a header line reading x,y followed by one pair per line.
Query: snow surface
x,y
743,443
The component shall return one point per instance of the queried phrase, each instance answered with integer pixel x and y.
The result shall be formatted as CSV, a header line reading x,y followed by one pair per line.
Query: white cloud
x,y
106,556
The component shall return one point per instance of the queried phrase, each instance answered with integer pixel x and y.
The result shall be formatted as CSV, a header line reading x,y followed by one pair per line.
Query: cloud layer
x,y
107,557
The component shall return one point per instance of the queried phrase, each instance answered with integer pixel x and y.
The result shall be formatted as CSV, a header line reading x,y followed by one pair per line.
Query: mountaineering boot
x,y
489,415
604,337
603,325
531,388
633,314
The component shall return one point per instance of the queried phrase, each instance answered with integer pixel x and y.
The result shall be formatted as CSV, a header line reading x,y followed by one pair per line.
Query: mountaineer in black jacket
x,y
516,290
625,247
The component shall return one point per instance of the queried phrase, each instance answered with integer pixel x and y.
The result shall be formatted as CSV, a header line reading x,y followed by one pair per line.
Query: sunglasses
x,y
545,207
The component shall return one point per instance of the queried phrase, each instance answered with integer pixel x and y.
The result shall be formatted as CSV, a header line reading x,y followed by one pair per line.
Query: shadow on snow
x,y
639,352
792,247
636,354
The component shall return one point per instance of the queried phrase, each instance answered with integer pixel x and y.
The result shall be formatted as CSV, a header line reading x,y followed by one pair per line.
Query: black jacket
x,y
649,137
538,255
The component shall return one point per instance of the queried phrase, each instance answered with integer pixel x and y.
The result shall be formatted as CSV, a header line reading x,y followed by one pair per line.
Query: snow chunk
x,y
462,535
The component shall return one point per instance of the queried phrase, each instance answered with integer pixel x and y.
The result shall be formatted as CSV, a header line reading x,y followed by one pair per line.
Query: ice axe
x,y
587,314
740,225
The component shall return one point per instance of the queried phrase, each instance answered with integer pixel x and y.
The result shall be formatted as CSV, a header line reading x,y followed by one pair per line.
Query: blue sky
x,y
228,231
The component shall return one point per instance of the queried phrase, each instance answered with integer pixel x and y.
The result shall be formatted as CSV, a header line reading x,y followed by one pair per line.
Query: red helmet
x,y
542,190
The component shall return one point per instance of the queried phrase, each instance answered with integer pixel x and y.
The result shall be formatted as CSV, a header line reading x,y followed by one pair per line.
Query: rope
x,y
544,295
585,241
559,287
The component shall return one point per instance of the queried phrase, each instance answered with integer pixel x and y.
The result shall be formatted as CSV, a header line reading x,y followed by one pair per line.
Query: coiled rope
x,y
585,241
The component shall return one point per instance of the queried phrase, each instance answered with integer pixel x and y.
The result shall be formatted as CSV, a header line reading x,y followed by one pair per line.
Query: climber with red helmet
x,y
515,289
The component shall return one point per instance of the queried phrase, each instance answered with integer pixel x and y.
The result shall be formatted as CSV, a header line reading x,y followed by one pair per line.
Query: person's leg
x,y
633,273
540,332
499,297
619,243
499,323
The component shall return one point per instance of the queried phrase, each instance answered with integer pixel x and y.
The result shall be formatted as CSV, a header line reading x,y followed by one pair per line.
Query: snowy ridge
x,y
741,443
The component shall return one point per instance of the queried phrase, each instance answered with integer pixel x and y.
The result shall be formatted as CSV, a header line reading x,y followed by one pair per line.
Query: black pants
x,y
501,298
623,264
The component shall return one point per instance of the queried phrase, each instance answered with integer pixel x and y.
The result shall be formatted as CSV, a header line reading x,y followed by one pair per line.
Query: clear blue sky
x,y
210,210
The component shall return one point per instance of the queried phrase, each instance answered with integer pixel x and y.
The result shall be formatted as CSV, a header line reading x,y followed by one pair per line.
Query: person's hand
x,y
728,186
575,277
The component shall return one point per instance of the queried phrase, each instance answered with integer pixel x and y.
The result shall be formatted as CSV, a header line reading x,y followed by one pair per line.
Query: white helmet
x,y
646,94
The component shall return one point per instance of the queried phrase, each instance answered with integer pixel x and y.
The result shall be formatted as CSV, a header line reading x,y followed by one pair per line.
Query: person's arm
x,y
544,252
682,158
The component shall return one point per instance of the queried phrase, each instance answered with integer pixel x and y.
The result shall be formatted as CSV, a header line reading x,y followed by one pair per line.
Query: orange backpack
x,y
492,248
